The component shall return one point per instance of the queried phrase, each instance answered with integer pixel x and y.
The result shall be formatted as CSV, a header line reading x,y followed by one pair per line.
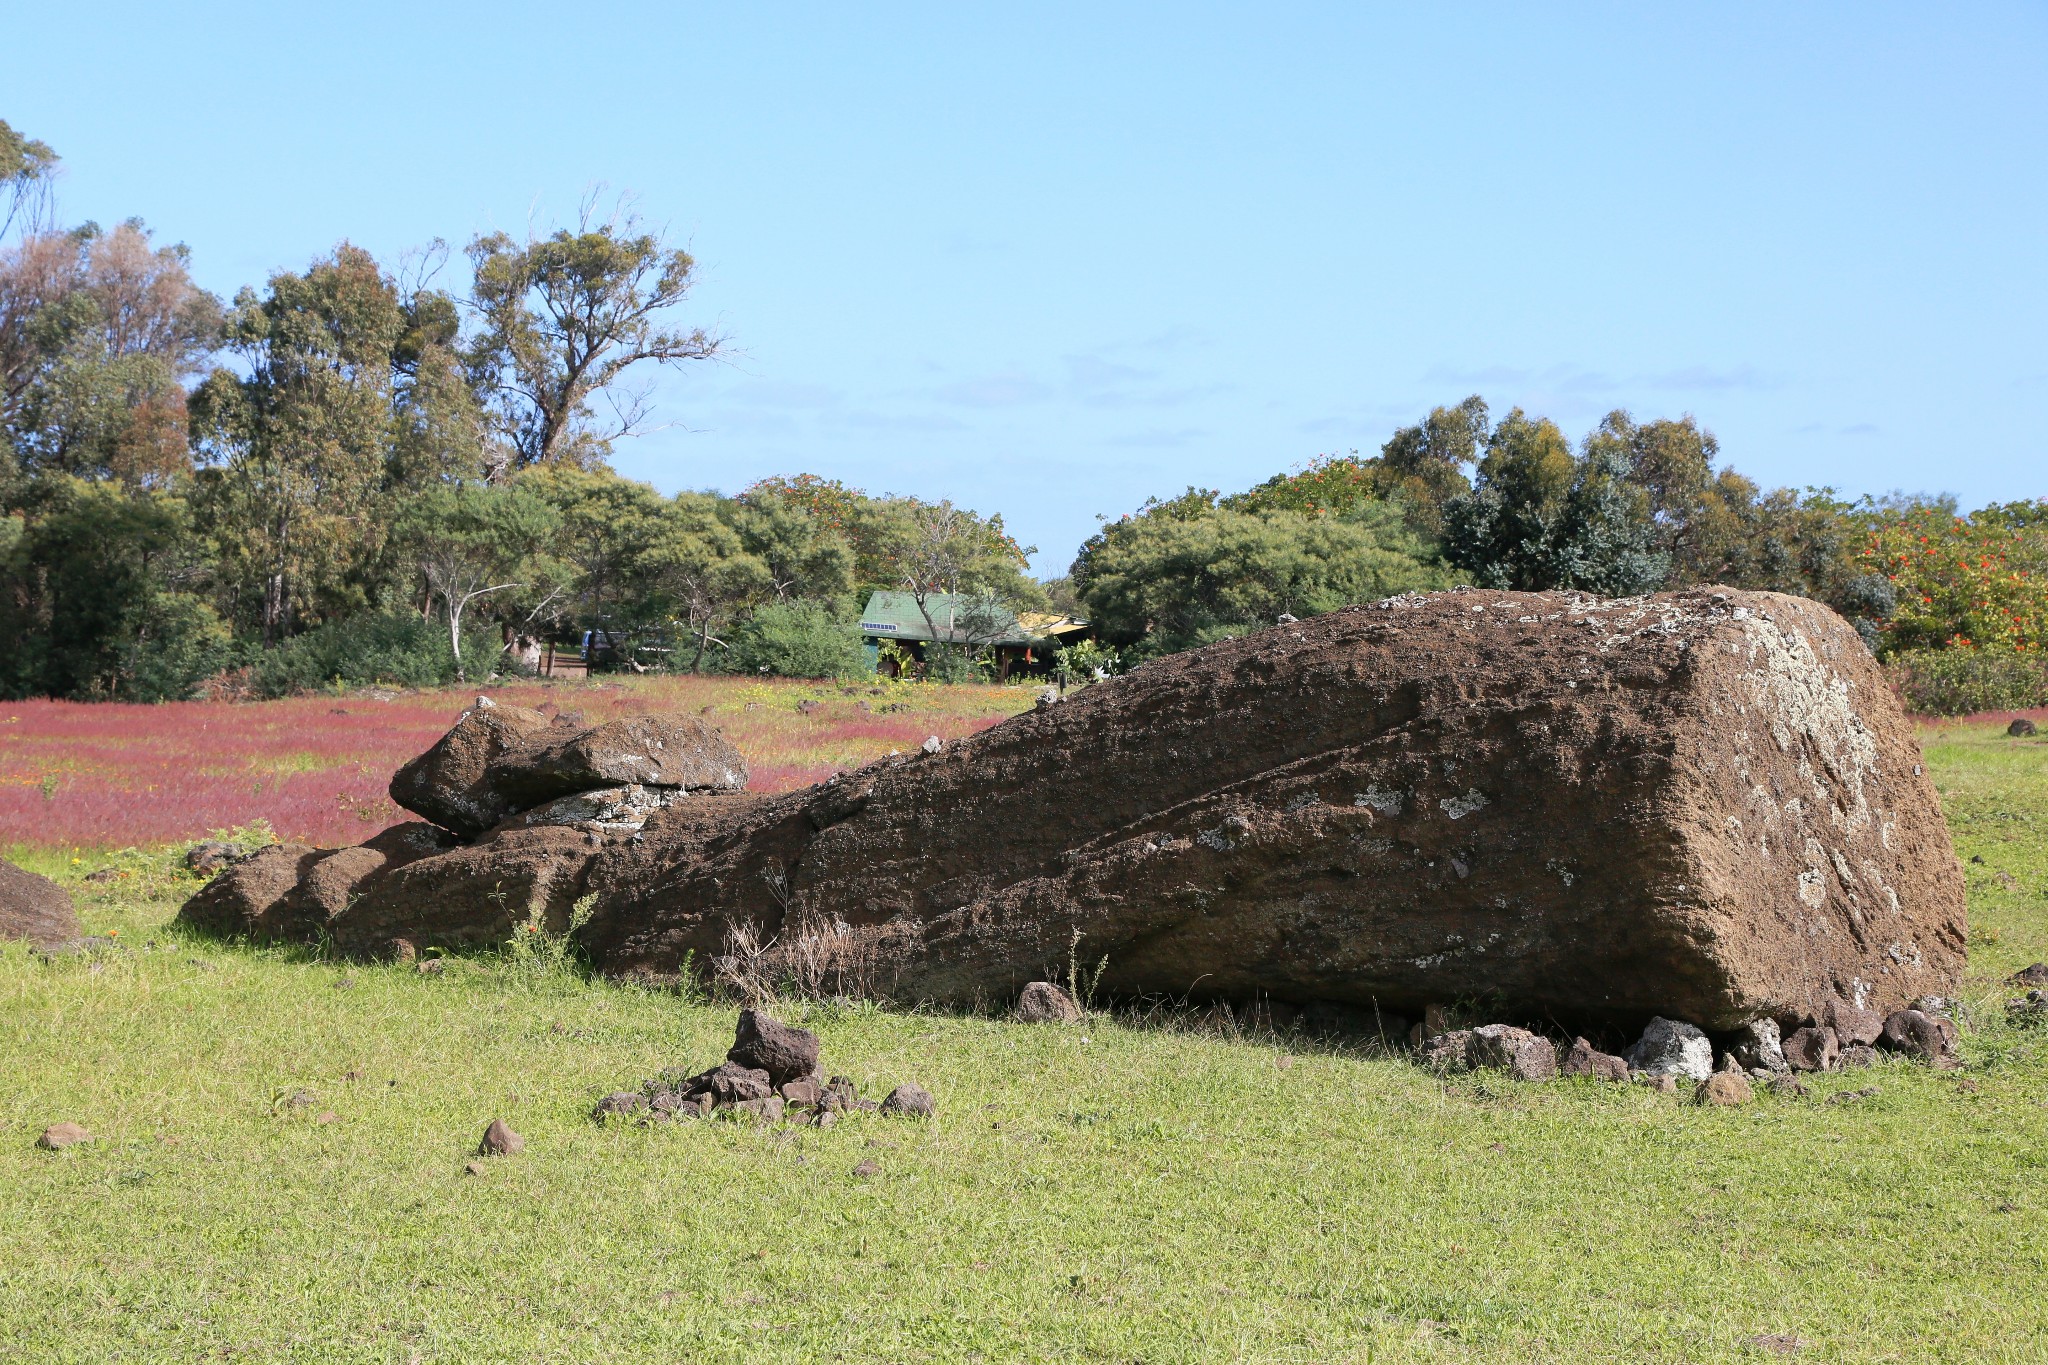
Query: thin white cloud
x,y
899,422
995,391
1158,438
1574,379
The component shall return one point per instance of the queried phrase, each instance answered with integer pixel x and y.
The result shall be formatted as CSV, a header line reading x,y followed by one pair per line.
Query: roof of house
x,y
894,616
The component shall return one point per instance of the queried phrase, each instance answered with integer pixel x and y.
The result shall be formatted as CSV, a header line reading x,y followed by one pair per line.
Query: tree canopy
x,y
354,468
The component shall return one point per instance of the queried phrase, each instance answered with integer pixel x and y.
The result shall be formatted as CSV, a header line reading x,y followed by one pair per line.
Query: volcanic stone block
x,y
450,784
1704,805
1041,1002
650,751
1670,1047
35,908
292,892
1524,1055
515,881
249,898
767,1044
1583,1059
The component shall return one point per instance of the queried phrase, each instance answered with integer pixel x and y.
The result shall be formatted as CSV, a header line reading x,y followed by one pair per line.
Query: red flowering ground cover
x,y
104,776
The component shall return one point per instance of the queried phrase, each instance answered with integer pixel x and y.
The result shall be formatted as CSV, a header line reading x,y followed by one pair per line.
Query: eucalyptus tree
x,y
1539,517
98,331
471,542
563,319
298,443
26,169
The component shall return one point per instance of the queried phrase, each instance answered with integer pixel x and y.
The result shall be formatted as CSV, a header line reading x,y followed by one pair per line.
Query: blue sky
x,y
1050,259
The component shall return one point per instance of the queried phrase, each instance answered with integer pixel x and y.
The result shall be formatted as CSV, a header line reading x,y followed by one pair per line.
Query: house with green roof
x,y
1021,641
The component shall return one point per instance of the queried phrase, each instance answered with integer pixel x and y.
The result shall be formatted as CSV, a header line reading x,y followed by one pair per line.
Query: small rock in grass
x,y
2031,1008
2036,975
765,1110
211,855
1858,1054
58,1136
2022,728
844,1088
1789,1086
1851,1096
803,1091
1583,1059
619,1103
668,1105
769,1045
1813,1049
910,1100
473,1168
1041,1002
1657,1081
1724,1088
1525,1056
1760,1047
1928,1036
1447,1051
867,1170
500,1140
824,1118
1851,1023
1671,1047
732,1083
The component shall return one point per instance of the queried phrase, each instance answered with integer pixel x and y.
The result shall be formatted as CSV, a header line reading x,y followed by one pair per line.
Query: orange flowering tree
x,y
1978,581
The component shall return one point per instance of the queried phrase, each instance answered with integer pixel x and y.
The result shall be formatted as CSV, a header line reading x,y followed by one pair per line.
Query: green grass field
x,y
1104,1193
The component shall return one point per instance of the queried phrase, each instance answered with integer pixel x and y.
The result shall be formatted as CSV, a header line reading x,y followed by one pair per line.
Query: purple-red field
x,y
105,776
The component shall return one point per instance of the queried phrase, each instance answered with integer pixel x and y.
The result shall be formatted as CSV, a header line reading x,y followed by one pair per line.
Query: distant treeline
x,y
354,474
1958,603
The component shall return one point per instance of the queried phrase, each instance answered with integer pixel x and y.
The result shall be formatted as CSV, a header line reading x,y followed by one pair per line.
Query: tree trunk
x,y
455,637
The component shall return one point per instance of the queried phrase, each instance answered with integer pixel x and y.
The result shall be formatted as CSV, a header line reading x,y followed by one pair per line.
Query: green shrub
x,y
1085,661
797,639
1958,682
400,648
178,643
947,663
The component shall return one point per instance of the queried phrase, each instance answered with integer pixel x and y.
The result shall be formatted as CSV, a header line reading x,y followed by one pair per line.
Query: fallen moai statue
x,y
1704,805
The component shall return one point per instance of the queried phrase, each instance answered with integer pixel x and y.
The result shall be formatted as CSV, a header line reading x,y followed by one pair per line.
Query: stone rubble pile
x,y
1670,1049
772,1073
514,803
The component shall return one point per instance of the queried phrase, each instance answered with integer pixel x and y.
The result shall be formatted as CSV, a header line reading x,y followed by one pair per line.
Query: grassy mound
x,y
1100,1192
